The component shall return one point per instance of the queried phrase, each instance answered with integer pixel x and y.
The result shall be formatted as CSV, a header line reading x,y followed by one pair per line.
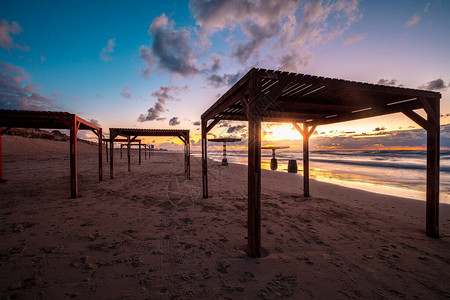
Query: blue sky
x,y
150,64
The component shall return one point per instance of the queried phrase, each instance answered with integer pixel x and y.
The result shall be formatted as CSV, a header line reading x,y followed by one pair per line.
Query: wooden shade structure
x,y
138,143
274,96
132,134
54,120
224,151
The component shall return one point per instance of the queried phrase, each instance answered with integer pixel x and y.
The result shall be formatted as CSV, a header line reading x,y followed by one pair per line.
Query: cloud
x,y
197,123
154,111
427,7
434,85
353,39
413,21
235,129
224,80
17,92
390,82
163,94
288,29
6,30
174,121
107,50
95,122
390,139
171,49
125,93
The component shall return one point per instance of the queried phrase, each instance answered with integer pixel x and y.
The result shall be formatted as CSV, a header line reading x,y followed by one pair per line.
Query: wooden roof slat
x,y
41,119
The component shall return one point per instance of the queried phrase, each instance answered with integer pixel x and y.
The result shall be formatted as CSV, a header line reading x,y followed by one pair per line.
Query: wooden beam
x,y
374,112
416,118
73,157
254,175
299,129
237,90
204,159
311,131
212,124
433,152
429,109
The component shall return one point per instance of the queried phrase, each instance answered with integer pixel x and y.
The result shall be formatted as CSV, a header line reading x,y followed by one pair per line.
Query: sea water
x,y
394,172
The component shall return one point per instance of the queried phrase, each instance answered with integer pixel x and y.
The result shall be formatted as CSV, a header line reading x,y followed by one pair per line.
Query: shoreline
x,y
353,180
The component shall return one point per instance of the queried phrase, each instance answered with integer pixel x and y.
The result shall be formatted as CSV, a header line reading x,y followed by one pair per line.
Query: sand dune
x,y
149,234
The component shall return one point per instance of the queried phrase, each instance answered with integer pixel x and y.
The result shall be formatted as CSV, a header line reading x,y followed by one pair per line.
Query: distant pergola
x,y
132,134
274,96
225,140
54,120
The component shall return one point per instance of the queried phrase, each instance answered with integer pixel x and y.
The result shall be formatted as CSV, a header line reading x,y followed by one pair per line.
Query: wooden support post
x,y
121,146
254,175
204,159
1,158
433,153
189,160
306,134
129,153
305,161
106,144
139,152
145,151
73,157
100,155
111,149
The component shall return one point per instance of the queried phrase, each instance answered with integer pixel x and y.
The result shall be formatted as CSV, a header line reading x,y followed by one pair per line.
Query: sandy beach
x,y
150,234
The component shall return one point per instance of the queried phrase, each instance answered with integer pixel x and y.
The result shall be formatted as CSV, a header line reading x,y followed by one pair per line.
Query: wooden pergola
x,y
274,96
132,134
54,120
138,143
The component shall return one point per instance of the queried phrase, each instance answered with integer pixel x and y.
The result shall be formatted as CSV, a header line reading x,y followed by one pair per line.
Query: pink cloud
x,y
6,30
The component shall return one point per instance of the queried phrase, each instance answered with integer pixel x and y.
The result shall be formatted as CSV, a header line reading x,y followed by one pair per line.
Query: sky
x,y
161,64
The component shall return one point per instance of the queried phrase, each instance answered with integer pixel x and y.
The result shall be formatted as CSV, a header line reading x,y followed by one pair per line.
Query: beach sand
x,y
150,234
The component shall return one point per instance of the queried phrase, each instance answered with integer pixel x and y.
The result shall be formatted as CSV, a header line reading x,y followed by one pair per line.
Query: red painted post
x,y
73,157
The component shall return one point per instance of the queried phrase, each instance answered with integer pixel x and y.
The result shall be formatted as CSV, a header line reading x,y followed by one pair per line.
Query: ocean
x,y
394,172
